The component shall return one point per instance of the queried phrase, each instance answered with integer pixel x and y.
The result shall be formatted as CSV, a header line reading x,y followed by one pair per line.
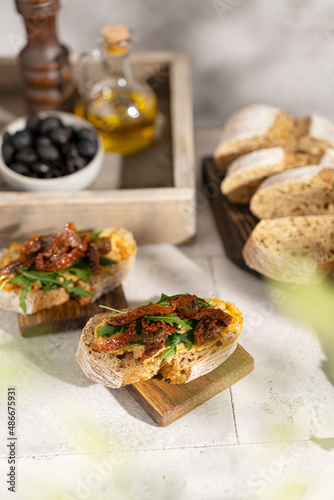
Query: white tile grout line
x,y
234,418
200,447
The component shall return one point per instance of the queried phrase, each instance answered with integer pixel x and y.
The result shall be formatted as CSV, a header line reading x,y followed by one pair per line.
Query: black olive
x,y
87,134
48,153
43,141
86,149
6,137
20,168
26,155
48,124
61,136
8,152
22,139
41,168
32,123
77,162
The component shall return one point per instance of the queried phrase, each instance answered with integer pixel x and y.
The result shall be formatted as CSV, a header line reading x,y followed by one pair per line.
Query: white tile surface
x,y
47,376
163,268
288,471
273,440
288,396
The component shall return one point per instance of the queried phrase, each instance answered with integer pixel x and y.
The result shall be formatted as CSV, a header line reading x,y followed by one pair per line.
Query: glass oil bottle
x,y
121,107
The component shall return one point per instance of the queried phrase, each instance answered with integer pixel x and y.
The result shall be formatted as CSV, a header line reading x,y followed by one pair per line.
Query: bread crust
x,y
292,249
106,280
122,369
300,191
253,128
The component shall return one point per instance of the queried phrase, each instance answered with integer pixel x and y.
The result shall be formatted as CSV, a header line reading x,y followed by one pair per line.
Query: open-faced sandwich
x,y
46,270
178,338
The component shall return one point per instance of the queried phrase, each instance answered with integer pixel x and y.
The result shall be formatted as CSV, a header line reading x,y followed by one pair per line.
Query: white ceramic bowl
x,y
71,182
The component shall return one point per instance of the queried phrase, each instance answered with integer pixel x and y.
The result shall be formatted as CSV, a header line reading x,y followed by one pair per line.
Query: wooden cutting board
x,y
164,402
235,222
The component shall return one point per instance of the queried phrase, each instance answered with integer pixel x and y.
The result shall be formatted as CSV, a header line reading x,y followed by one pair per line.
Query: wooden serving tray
x,y
164,402
235,222
157,185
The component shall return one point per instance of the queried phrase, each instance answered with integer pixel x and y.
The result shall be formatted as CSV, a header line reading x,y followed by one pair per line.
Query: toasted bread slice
x,y
123,253
300,191
118,368
292,249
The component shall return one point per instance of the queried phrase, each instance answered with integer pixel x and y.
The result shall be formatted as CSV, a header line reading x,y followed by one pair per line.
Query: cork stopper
x,y
116,38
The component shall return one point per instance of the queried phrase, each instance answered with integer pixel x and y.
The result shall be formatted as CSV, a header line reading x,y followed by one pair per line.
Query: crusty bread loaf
x,y
123,367
261,126
292,249
246,173
300,191
252,128
107,279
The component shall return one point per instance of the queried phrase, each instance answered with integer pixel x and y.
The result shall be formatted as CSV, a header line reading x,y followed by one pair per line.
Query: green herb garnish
x,y
203,303
112,309
95,235
171,351
3,282
110,330
133,343
26,286
163,301
49,280
170,319
104,261
177,338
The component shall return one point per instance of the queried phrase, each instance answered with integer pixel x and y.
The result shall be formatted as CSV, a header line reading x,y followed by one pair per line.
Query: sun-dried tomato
x,y
139,312
117,341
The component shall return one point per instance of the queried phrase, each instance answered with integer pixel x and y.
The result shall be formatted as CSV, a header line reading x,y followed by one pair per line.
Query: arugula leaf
x,y
77,290
104,261
173,340
26,286
163,301
189,343
112,309
81,269
110,330
95,235
3,282
171,351
177,338
139,327
133,343
203,303
170,319
82,274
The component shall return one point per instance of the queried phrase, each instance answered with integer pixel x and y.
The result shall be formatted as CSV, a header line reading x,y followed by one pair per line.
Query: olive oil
x,y
122,108
125,121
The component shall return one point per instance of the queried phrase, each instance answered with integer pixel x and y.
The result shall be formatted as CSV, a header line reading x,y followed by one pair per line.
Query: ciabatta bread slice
x,y
246,173
252,128
123,367
300,191
292,249
123,253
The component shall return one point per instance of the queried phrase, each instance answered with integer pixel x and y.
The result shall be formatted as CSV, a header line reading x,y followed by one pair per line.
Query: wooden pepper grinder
x,y
45,68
